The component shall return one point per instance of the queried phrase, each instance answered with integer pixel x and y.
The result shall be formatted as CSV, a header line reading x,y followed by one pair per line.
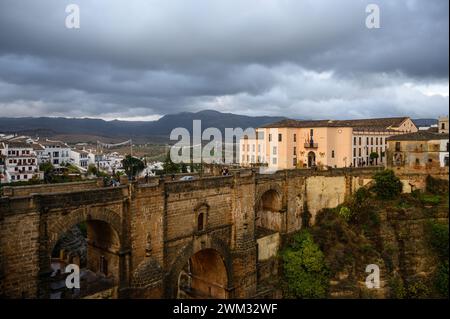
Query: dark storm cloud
x,y
296,58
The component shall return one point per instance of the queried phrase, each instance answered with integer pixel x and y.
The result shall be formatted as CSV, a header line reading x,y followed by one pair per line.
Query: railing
x,y
311,145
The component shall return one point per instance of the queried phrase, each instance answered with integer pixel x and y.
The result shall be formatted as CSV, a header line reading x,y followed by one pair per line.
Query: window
x,y
360,141
311,132
200,221
270,137
253,158
371,140
417,161
253,147
259,148
295,150
397,146
376,141
354,152
274,151
103,265
295,138
294,162
359,152
332,154
443,126
280,137
274,161
354,141
25,176
367,141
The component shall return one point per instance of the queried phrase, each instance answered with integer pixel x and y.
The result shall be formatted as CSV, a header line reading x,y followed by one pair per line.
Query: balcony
x,y
311,144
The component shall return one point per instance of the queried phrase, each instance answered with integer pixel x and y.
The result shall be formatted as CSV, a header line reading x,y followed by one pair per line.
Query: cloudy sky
x,y
141,59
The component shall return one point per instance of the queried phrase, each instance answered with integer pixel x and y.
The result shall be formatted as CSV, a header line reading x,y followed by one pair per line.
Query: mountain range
x,y
158,130
90,130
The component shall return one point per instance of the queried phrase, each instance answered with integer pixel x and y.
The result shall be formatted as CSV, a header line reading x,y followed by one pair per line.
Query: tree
x,y
92,169
48,169
373,156
169,166
305,270
132,165
387,185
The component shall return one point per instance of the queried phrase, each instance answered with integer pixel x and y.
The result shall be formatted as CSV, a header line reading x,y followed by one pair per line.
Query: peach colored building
x,y
335,143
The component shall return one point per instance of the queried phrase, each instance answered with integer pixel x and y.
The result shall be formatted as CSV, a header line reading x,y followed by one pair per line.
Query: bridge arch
x,y
103,240
269,208
209,269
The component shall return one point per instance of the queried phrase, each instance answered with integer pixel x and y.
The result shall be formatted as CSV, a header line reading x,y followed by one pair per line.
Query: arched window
x,y
200,222
201,218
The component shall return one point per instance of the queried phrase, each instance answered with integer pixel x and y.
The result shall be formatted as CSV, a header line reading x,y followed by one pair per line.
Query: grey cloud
x,y
296,58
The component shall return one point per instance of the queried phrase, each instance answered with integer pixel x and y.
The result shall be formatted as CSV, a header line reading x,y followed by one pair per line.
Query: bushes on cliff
x,y
436,186
387,185
305,272
439,242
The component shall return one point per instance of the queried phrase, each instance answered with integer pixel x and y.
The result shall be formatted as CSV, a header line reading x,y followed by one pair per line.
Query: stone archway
x,y
269,211
204,276
104,243
208,269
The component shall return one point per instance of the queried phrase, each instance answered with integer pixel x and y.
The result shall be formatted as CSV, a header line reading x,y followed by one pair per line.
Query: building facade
x,y
334,143
419,151
56,152
443,124
19,162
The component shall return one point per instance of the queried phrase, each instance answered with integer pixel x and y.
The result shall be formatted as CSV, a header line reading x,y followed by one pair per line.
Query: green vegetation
x,y
436,186
169,166
438,238
430,199
387,185
305,271
345,213
92,169
373,156
132,165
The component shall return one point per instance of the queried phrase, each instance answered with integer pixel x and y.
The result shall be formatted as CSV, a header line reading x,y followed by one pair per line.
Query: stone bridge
x,y
212,237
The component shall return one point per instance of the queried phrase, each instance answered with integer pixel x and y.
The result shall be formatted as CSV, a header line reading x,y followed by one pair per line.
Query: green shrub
x,y
304,266
418,290
430,199
441,279
387,185
436,186
361,195
345,213
397,289
438,238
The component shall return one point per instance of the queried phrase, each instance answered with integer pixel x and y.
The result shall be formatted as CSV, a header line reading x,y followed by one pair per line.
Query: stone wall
x,y
158,229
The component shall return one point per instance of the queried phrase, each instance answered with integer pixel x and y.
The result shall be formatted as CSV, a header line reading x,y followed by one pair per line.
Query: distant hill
x,y
140,130
425,122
